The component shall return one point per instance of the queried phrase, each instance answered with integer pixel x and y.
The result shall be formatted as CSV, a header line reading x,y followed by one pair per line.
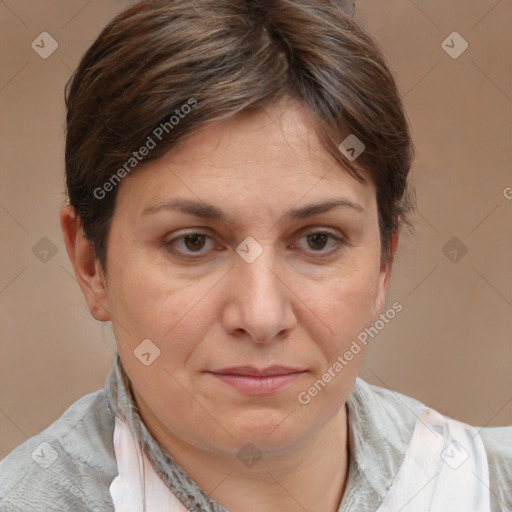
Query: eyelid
x,y
318,229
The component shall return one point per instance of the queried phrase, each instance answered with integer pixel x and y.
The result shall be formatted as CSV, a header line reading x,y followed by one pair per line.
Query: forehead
x,y
268,139
269,155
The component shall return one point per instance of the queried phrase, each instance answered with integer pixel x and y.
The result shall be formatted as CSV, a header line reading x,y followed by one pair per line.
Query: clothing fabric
x,y
444,468
137,487
72,464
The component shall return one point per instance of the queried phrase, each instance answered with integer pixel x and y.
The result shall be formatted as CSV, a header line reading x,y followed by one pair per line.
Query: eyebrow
x,y
209,211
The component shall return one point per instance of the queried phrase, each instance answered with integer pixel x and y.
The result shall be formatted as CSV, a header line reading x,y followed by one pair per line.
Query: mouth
x,y
254,381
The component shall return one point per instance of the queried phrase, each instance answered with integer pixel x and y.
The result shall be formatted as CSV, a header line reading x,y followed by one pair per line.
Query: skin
x,y
294,305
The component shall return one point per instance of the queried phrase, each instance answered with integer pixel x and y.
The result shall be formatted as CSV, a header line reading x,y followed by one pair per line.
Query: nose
x,y
260,304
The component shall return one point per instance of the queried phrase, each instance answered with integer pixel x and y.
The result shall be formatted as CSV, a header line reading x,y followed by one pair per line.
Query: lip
x,y
253,371
254,381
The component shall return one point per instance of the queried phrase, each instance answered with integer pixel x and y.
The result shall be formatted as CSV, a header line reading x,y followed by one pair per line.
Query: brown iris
x,y
196,242
318,239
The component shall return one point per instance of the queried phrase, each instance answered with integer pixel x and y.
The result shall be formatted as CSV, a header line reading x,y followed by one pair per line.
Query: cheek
x,y
344,303
144,301
149,301
344,308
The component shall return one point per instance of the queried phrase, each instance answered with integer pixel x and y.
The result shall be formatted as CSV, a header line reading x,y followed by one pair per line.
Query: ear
x,y
385,273
87,268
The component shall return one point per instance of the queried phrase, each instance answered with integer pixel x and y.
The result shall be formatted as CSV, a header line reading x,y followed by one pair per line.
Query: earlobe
x,y
394,243
385,273
87,269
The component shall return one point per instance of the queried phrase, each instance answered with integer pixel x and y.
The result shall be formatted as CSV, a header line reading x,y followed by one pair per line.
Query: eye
x,y
190,243
195,244
319,240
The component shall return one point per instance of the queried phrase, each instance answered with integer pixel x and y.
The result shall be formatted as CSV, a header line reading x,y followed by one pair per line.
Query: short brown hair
x,y
229,56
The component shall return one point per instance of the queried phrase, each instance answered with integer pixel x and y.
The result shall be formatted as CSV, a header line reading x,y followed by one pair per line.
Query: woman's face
x,y
271,283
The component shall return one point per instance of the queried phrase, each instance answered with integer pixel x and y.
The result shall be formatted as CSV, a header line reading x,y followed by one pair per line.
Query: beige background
x,y
450,346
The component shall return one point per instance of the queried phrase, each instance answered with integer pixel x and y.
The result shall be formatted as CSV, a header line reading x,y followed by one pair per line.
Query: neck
x,y
310,477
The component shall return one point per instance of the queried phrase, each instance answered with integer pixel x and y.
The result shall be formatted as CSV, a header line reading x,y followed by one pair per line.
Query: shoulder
x,y
386,407
392,415
380,426
498,445
67,466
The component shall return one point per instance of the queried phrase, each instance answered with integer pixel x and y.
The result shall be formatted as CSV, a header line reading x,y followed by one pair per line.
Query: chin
x,y
271,432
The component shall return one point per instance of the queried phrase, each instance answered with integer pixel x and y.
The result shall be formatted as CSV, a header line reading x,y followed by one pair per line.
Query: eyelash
x,y
340,243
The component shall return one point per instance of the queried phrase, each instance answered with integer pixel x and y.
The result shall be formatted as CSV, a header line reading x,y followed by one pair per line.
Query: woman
x,y
237,180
